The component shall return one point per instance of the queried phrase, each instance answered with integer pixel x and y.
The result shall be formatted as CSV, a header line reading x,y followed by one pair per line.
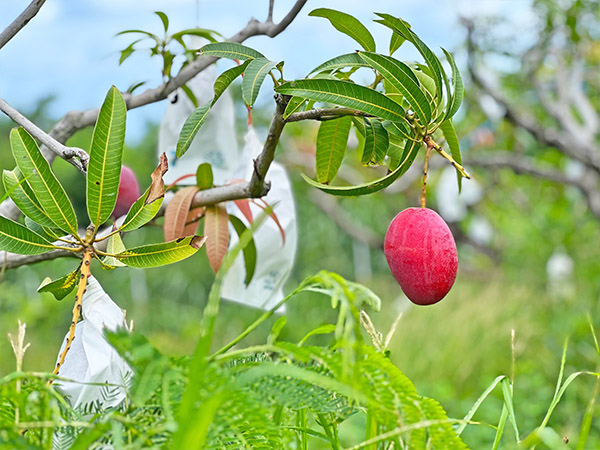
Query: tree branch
x,y
76,120
20,22
69,154
569,144
12,261
325,114
587,184
264,160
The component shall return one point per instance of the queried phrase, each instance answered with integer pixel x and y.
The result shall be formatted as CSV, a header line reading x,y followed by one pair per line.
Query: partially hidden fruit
x,y
129,192
421,253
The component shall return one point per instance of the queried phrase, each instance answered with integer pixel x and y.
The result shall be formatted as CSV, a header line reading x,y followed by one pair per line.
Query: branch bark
x,y
75,156
19,23
325,114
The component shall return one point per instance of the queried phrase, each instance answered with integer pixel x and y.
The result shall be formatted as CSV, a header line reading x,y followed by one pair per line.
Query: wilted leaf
x,y
216,229
177,212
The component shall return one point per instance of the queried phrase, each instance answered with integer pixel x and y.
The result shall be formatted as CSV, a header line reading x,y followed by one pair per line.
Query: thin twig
x,y
66,153
19,23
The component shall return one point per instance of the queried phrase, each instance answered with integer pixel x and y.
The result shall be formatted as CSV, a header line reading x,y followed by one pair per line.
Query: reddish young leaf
x,y
273,216
193,219
177,212
216,229
244,206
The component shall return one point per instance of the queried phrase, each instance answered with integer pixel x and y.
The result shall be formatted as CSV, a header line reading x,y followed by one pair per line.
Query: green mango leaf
x,y
348,25
403,28
231,50
426,82
410,152
147,206
399,128
61,287
156,255
205,33
249,251
458,90
376,143
106,152
21,193
339,62
204,176
190,94
224,80
190,128
447,128
254,76
294,105
49,234
332,140
115,245
15,238
347,94
42,180
395,42
395,150
163,18
404,80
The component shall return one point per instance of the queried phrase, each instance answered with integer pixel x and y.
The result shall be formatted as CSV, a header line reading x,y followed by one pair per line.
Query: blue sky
x,y
70,48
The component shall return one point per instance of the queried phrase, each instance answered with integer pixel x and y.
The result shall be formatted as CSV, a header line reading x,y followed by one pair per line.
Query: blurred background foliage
x,y
452,351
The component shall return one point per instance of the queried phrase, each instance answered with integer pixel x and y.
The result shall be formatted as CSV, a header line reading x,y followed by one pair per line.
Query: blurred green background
x,y
452,351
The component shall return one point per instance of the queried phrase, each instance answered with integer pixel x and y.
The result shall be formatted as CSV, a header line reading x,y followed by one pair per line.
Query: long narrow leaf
x,y
249,251
458,91
403,28
147,206
15,238
404,80
231,50
190,129
21,193
348,25
44,183
155,255
106,153
376,142
345,94
254,76
339,62
447,128
410,153
332,140
224,80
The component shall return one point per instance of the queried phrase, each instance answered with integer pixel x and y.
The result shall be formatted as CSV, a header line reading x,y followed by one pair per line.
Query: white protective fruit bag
x,y
216,144
91,358
275,257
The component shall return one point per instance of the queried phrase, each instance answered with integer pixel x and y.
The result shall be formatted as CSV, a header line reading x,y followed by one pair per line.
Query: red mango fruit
x,y
421,253
129,192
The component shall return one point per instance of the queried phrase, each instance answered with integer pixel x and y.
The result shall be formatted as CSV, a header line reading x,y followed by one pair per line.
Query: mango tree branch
x,y
264,160
325,114
76,120
19,23
572,145
76,156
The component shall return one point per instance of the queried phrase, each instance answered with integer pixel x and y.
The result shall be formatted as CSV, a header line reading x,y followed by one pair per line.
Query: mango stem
x,y
85,273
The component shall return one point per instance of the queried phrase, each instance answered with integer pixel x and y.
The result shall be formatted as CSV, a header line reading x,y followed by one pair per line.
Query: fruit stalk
x,y
85,273
430,142
424,189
